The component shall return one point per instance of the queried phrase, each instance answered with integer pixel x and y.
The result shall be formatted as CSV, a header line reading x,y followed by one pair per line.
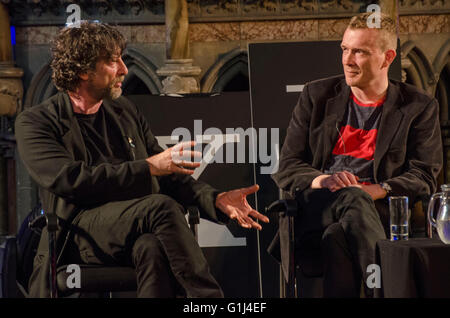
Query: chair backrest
x,y
17,255
8,262
28,239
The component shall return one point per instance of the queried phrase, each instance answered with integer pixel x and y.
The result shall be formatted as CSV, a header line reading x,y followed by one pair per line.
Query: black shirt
x,y
104,143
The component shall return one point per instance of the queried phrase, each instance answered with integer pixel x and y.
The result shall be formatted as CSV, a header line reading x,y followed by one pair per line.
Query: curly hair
x,y
388,29
76,51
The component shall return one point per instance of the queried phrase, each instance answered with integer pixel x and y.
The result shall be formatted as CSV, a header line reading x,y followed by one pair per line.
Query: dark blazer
x,y
408,153
52,148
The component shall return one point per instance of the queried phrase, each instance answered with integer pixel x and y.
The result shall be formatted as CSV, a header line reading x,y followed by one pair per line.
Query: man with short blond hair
x,y
354,140
387,28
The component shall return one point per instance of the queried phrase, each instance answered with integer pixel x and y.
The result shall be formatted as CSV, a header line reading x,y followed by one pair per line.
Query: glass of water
x,y
399,218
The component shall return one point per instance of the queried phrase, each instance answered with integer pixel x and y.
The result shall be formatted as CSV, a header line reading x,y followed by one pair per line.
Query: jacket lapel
x,y
72,139
390,122
114,113
334,116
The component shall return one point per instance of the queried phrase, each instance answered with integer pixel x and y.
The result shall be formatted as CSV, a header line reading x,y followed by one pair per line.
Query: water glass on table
x,y
399,218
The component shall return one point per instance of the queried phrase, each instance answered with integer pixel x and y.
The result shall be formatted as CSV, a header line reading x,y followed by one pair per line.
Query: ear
x,y
84,76
389,57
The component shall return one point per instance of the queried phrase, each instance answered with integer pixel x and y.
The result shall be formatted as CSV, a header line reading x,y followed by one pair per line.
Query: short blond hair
x,y
388,29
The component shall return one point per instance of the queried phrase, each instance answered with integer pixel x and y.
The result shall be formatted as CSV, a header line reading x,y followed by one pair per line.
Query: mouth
x,y
352,72
118,84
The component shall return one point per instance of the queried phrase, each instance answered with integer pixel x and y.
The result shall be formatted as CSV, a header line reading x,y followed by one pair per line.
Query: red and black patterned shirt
x,y
355,148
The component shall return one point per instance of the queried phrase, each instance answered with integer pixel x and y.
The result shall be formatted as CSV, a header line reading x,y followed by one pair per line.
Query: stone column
x,y
11,89
390,8
178,72
11,93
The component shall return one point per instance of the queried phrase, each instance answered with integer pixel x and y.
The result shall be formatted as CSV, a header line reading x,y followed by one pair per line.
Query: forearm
x,y
86,185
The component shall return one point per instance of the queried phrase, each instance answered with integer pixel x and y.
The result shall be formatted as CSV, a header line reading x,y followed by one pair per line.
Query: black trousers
x,y
346,226
151,234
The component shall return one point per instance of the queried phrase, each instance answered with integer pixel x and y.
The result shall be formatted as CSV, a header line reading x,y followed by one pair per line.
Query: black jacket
x,y
52,149
408,153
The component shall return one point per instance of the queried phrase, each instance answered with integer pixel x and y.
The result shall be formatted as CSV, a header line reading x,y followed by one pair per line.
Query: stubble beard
x,y
112,92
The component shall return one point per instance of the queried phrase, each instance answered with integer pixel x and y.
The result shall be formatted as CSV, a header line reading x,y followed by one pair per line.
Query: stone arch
x,y
441,64
442,58
141,72
41,87
229,66
419,71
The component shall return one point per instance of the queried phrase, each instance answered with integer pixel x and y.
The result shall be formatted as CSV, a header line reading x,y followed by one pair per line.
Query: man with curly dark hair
x,y
101,170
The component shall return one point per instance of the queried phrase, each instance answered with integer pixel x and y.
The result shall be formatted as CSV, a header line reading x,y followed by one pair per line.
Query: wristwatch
x,y
386,187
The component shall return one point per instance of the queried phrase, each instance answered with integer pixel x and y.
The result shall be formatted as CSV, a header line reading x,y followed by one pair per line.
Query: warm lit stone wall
x,y
209,40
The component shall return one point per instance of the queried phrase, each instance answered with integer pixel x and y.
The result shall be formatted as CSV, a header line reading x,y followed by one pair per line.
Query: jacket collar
x,y
391,117
73,137
334,116
66,111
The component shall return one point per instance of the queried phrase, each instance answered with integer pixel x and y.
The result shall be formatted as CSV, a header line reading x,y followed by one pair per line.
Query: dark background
x,y
272,66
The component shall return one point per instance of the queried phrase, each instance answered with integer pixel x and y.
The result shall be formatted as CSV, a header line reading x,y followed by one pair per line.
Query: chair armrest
x,y
193,219
193,214
52,228
288,206
52,222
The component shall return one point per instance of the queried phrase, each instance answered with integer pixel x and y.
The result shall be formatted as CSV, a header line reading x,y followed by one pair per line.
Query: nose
x,y
347,58
123,70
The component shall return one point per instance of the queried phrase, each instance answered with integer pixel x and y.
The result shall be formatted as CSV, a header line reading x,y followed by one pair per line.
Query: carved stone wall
x,y
45,12
210,40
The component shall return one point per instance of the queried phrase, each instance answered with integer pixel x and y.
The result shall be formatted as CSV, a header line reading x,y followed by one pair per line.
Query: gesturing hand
x,y
234,204
171,160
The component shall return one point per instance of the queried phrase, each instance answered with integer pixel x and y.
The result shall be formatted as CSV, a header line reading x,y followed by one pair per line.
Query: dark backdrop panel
x,y
273,66
235,267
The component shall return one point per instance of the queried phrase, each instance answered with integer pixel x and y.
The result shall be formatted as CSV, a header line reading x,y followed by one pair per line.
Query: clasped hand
x,y
344,179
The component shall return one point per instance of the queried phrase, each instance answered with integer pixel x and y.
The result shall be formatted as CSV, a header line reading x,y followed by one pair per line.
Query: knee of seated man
x,y
363,207
333,233
164,205
147,246
354,194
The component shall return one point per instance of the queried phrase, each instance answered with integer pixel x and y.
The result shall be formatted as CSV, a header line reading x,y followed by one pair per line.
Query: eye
x,y
359,51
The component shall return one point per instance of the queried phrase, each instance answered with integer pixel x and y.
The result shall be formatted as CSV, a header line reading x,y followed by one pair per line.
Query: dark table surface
x,y
418,267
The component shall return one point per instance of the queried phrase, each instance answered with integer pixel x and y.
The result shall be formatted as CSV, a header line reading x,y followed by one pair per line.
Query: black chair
x,y
301,270
17,254
98,279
